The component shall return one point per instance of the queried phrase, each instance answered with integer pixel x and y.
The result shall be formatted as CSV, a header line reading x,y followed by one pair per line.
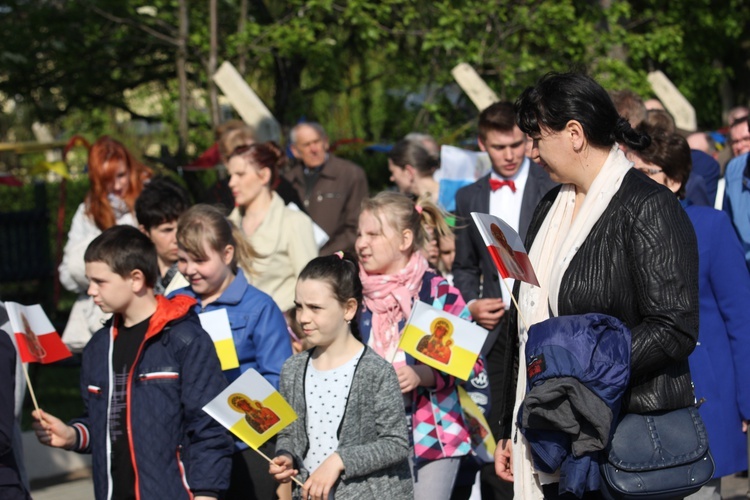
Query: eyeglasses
x,y
649,171
240,150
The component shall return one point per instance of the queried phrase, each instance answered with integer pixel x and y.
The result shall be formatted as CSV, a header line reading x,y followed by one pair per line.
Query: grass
x,y
57,391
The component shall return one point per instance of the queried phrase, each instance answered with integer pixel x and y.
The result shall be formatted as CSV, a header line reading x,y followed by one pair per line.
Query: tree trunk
x,y
242,50
182,118
287,79
212,56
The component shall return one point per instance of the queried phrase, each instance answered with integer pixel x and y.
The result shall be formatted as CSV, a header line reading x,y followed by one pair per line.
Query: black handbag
x,y
656,456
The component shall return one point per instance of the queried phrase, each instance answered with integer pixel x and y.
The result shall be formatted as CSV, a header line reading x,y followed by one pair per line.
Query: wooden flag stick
x,y
393,357
31,388
518,309
271,461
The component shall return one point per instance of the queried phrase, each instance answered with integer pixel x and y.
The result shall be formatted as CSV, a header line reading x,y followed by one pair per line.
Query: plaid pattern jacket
x,y
439,429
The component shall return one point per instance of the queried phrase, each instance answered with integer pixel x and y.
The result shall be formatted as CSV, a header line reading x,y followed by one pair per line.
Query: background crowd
x,y
622,214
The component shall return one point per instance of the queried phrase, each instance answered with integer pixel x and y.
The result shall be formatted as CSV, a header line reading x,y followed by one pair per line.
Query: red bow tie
x,y
496,184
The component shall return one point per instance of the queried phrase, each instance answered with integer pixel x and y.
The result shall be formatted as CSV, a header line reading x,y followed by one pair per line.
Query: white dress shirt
x,y
506,204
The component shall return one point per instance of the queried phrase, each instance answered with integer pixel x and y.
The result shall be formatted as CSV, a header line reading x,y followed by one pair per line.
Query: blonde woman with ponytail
x,y
216,258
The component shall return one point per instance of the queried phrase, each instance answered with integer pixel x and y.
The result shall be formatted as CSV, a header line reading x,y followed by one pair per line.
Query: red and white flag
x,y
37,340
505,247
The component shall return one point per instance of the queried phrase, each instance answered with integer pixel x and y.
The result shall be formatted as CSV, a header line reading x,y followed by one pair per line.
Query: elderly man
x,y
331,188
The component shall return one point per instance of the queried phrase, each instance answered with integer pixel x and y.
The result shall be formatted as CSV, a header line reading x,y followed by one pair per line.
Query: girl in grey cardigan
x,y
350,440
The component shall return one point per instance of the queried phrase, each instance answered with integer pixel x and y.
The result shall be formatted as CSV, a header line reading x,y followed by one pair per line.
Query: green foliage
x,y
353,64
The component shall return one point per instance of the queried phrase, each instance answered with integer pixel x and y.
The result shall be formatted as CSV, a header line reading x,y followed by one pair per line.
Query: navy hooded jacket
x,y
177,448
578,369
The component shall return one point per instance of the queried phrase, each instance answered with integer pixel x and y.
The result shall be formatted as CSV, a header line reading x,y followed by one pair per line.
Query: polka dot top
x,y
326,393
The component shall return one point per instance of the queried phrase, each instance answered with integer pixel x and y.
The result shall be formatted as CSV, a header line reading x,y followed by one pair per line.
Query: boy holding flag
x,y
143,420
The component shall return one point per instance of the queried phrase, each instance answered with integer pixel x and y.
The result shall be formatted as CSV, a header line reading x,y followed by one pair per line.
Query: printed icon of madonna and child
x,y
257,416
438,344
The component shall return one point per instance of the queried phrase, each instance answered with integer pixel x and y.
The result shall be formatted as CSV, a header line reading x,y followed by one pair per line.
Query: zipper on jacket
x,y
129,408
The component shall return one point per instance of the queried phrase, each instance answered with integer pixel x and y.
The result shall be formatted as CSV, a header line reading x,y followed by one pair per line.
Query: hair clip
x,y
418,208
339,254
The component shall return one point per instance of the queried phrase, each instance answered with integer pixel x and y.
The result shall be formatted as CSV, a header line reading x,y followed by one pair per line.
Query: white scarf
x,y
555,245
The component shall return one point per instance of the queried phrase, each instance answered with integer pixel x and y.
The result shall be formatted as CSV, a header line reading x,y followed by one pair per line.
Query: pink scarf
x,y
389,297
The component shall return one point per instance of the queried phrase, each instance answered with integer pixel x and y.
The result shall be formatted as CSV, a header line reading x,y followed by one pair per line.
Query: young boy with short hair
x,y
145,378
157,209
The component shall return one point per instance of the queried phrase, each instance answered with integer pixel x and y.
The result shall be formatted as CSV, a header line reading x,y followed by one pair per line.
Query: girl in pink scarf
x,y
394,274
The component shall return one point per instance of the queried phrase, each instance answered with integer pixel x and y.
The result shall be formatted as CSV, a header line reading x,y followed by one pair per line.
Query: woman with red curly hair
x,y
116,179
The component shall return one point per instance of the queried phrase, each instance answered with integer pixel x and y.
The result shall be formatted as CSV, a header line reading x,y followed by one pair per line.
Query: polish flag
x,y
505,247
37,340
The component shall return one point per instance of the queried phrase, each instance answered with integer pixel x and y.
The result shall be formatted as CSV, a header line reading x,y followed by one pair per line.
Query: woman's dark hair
x,y
668,151
407,152
558,98
342,273
269,155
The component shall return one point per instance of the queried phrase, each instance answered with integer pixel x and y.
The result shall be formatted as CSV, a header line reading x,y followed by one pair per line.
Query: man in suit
x,y
510,191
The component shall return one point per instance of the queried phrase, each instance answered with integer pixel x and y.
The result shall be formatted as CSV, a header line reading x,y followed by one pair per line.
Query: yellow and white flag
x,y
441,340
216,323
251,409
482,442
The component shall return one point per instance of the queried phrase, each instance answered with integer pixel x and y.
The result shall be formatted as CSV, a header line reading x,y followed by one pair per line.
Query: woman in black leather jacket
x,y
609,240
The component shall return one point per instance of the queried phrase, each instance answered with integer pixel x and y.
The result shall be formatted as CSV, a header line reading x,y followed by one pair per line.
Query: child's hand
x,y
319,484
411,377
51,431
408,379
281,468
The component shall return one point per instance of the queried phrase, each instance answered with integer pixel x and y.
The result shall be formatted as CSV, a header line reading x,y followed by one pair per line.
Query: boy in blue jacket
x,y
145,377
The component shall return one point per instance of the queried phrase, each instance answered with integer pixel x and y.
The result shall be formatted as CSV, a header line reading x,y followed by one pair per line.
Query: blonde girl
x,y
215,257
394,274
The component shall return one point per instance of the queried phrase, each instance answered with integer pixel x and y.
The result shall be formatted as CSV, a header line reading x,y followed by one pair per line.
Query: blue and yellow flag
x,y
442,340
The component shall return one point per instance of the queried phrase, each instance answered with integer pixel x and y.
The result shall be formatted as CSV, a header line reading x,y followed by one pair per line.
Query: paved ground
x,y
74,486
734,488
78,486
